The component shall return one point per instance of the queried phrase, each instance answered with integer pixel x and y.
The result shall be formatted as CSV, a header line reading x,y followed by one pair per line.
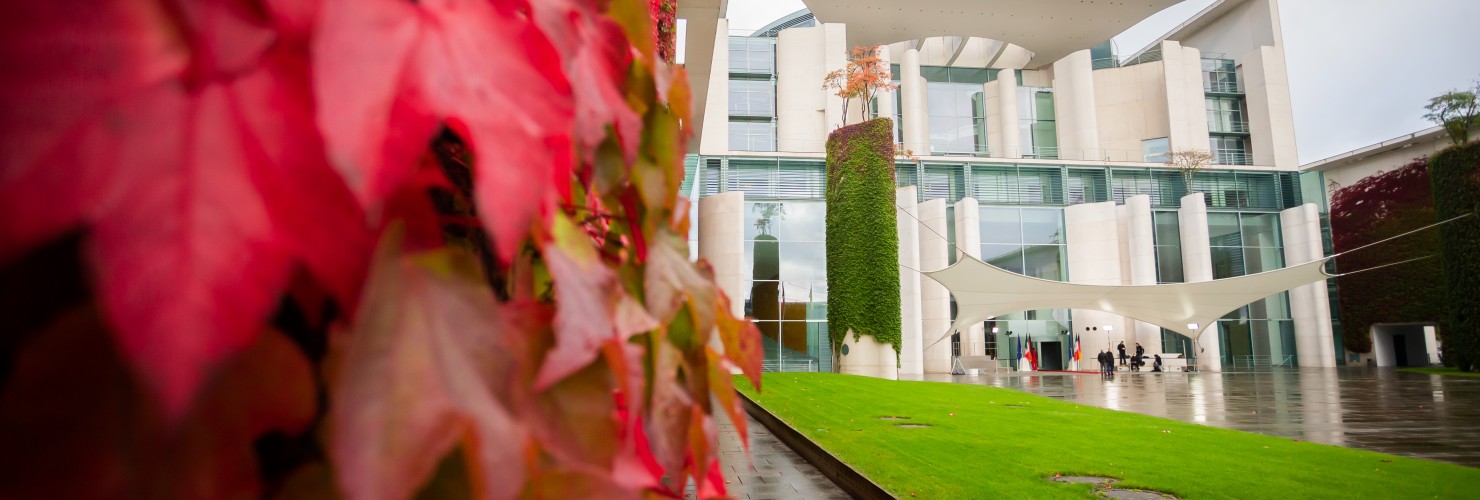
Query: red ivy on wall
x,y
1375,208
366,248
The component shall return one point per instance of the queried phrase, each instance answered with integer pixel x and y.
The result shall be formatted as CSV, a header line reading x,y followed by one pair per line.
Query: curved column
x,y
1197,265
916,135
1093,238
1140,256
1074,94
911,356
935,302
1007,118
867,357
969,242
1310,305
722,243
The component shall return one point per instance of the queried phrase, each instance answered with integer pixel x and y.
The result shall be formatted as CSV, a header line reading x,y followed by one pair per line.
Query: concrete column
x,y
1094,259
1007,122
835,57
1271,115
716,137
1197,266
886,99
1187,116
722,243
801,103
1310,305
935,300
969,242
1140,260
867,357
1431,344
916,131
911,355
1074,103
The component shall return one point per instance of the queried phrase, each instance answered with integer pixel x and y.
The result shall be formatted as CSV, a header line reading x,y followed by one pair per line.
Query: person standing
x,y
1121,348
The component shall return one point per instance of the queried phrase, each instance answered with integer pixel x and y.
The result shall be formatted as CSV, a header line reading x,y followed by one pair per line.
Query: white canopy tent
x,y
984,291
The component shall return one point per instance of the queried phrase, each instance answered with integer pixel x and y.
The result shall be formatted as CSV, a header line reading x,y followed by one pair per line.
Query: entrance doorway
x,y
1400,349
1053,356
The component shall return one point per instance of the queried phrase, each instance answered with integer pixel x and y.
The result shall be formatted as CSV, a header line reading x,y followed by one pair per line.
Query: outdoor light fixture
x,y
994,329
1109,328
1192,326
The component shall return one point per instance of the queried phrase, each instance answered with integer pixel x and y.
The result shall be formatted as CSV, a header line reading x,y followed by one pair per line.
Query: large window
x,y
1037,132
1220,76
1167,236
1156,150
747,135
1028,241
1226,115
786,276
1230,150
956,108
755,98
752,55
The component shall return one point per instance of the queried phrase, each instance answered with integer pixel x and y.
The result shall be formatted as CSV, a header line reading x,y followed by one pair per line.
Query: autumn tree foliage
x,y
359,248
865,76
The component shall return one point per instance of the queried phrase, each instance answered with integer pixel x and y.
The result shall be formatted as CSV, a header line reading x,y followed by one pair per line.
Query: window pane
x,y
1168,232
1228,262
802,263
1223,230
1156,150
1042,226
1009,257
1169,265
1000,225
1262,230
1045,261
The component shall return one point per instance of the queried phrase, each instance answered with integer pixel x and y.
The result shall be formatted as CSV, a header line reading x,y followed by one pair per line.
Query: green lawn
x,y
1003,443
1441,371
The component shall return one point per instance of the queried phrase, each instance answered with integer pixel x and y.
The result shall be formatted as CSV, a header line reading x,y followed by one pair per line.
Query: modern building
x,y
1394,343
1032,145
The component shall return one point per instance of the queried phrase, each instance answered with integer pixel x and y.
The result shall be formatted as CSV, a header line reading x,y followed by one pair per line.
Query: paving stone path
x,y
773,471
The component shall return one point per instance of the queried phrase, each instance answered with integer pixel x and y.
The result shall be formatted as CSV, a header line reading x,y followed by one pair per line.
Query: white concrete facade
x,y
1103,118
721,242
1310,305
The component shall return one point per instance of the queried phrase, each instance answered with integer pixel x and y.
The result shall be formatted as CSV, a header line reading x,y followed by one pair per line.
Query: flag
x,y
1032,356
1076,348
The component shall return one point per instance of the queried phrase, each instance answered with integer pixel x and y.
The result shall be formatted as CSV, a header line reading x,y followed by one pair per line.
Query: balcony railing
x,y
1232,158
1227,127
1222,88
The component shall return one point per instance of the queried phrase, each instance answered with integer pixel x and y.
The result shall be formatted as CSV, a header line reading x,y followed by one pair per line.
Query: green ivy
x,y
1455,173
862,242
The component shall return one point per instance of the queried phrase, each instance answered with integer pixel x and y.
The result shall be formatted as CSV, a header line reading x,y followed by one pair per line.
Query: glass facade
x,y
1156,150
1036,128
1022,230
752,94
785,274
956,106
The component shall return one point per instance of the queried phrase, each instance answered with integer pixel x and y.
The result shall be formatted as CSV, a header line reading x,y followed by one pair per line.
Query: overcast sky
x,y
1360,70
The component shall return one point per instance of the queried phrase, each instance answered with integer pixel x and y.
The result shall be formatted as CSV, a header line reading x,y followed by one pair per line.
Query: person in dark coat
x,y
1121,348
1156,364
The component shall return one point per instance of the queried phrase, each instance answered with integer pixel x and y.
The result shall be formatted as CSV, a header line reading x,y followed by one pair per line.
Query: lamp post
x,y
1108,345
1196,346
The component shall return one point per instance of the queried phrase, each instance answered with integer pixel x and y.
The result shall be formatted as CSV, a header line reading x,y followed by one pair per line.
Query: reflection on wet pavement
x,y
1425,416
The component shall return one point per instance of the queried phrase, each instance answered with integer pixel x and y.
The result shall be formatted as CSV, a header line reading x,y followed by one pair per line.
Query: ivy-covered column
x,y
863,309
1455,174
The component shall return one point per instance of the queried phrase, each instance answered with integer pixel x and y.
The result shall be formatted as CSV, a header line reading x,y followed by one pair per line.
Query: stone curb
x,y
850,481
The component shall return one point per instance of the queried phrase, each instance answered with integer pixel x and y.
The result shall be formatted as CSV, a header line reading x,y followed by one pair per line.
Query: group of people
x,y
1107,360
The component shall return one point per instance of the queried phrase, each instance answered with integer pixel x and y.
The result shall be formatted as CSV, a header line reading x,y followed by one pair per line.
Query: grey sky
x,y
1360,70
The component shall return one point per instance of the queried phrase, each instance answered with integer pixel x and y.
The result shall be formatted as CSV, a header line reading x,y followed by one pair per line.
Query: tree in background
x,y
1455,175
1458,111
358,248
1189,162
865,76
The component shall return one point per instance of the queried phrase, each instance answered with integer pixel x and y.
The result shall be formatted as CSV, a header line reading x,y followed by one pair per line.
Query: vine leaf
x,y
73,425
413,381
595,48
593,308
390,73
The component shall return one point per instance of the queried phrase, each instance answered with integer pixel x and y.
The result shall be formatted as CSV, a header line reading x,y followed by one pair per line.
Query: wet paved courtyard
x,y
1425,416
773,471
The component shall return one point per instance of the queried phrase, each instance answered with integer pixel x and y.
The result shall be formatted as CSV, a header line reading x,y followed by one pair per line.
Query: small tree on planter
x,y
865,76
1457,111
1189,162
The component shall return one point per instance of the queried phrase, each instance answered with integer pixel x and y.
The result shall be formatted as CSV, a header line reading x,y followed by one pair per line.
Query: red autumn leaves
x,y
216,155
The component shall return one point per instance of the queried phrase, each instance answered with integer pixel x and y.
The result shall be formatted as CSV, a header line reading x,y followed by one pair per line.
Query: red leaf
x,y
594,48
64,61
388,71
413,384
742,342
592,307
721,385
73,425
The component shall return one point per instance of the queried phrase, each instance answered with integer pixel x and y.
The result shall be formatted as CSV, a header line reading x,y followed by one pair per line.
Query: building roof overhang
x,y
1431,134
1051,29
